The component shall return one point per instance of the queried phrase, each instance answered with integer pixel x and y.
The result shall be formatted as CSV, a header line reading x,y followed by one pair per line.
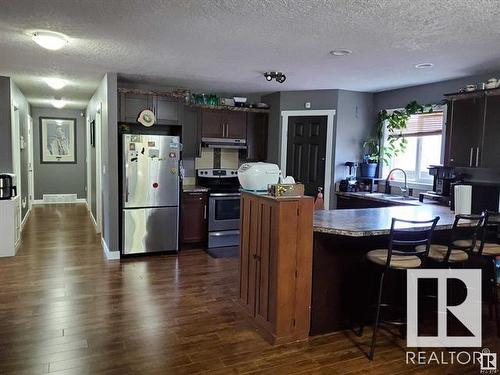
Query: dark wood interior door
x,y
466,131
489,153
306,151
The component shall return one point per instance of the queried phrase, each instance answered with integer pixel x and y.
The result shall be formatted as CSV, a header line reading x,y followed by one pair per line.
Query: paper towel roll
x,y
463,199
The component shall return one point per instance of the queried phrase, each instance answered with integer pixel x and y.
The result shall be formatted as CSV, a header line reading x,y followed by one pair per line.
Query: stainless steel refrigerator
x,y
150,209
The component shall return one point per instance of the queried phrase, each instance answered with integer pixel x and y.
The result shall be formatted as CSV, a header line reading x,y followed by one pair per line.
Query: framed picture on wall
x,y
57,140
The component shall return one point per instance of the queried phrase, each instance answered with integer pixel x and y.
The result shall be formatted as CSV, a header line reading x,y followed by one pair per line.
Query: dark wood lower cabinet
x,y
276,265
194,217
346,202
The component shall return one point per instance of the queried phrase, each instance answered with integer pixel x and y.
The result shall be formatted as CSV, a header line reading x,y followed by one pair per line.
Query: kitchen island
x,y
304,273
340,284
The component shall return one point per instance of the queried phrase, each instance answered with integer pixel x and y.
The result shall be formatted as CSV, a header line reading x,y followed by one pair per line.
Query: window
x,y
424,135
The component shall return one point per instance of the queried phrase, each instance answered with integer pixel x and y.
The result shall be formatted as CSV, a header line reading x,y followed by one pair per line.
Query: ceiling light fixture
x,y
50,40
424,65
278,76
340,52
58,103
55,83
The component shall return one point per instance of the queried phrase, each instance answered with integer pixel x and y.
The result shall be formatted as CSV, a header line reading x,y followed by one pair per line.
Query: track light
x,y
278,76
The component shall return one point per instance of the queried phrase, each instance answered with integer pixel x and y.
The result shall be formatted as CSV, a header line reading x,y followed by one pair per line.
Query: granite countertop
x,y
381,197
194,189
377,221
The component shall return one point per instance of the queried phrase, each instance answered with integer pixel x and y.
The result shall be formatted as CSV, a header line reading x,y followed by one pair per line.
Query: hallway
x,y
65,309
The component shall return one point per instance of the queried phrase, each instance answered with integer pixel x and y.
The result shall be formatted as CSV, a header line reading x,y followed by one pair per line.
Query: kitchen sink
x,y
391,196
401,198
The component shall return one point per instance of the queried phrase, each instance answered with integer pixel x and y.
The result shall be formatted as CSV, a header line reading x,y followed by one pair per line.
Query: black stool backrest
x,y
403,241
490,230
466,228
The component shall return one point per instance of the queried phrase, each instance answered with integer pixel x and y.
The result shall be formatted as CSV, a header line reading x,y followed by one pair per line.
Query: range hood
x,y
224,143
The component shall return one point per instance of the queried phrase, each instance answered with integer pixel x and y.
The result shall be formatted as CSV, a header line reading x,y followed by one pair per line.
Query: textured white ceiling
x,y
225,45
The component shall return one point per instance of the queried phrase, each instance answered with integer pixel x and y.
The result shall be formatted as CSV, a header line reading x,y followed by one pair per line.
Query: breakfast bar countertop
x,y
377,221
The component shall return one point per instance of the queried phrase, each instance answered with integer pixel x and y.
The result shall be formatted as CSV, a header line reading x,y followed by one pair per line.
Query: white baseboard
x,y
41,201
110,255
93,221
25,219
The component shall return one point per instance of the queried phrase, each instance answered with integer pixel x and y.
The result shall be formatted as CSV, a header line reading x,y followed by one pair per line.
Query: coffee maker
x,y
441,187
349,183
7,186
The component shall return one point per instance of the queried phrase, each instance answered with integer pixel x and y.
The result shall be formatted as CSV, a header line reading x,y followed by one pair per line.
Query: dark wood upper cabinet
x,y
490,151
223,124
167,110
466,119
194,217
212,125
257,130
236,124
473,130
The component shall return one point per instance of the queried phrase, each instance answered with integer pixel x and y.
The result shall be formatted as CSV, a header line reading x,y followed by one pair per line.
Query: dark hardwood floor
x,y
65,309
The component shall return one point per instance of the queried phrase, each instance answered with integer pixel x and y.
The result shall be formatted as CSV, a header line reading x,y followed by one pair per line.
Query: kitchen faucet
x,y
388,187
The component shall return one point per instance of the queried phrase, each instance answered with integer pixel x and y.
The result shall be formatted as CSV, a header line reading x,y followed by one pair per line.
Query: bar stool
x,y
463,240
488,248
401,254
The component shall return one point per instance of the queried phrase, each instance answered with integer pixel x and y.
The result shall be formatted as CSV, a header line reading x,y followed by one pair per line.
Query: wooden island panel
x,y
276,265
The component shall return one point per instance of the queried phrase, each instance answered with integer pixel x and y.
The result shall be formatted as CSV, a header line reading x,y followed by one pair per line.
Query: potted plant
x,y
371,157
392,125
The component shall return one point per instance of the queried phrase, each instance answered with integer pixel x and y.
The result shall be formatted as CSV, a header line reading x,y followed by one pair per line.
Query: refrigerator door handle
x,y
471,156
477,156
126,189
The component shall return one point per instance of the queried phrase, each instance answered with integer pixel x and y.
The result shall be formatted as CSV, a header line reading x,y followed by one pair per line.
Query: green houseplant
x,y
390,123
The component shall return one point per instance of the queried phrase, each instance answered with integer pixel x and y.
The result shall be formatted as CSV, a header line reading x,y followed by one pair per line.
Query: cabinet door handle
x,y
204,212
471,156
477,156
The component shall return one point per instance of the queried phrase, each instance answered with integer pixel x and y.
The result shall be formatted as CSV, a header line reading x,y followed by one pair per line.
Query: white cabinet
x,y
10,226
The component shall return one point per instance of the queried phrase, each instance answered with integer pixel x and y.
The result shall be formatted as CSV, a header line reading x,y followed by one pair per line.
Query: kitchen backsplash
x,y
217,158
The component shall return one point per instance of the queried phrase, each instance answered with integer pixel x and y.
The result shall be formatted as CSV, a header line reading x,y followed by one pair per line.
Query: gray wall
x,y
273,135
355,123
60,178
431,93
23,107
106,94
293,101
5,126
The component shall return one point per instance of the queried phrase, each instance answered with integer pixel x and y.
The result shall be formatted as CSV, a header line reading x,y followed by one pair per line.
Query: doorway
x,y
306,149
93,158
31,178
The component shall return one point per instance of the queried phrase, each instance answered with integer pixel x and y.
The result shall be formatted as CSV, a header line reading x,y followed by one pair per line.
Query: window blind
x,y
424,124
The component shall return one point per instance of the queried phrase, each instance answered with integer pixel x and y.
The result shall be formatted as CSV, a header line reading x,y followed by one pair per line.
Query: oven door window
x,y
227,209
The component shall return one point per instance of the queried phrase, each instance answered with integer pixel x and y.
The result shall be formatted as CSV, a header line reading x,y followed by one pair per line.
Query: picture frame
x,y
57,140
